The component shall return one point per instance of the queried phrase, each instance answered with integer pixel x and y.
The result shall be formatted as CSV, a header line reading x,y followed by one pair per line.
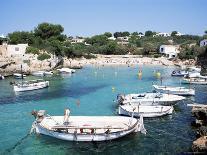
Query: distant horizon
x,y
88,18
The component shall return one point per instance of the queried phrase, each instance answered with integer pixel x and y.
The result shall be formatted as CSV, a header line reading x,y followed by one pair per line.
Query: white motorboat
x,y
42,73
199,81
66,70
145,111
179,73
86,128
149,99
39,73
1,77
175,90
19,76
30,85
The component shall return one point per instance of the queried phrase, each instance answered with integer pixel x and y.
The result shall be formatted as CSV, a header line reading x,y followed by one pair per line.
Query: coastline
x,y
9,66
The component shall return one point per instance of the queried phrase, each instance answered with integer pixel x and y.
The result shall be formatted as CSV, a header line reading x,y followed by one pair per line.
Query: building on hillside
x,y
161,34
140,35
203,42
178,34
77,40
13,50
123,40
170,51
112,38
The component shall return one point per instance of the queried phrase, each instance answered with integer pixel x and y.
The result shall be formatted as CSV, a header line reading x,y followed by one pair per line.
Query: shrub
x,y
32,50
43,56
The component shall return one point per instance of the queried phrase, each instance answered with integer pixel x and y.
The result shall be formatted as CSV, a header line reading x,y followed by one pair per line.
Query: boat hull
x,y
31,87
83,137
180,91
146,113
74,130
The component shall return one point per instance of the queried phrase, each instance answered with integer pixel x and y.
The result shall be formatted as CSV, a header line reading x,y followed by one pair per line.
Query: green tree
x,y
47,30
21,37
117,34
125,33
108,34
173,34
135,33
148,33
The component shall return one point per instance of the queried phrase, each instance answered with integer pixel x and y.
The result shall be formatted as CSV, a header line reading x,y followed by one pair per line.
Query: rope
x,y
164,132
17,144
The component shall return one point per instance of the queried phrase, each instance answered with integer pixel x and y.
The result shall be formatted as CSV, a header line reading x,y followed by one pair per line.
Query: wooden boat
x,y
86,128
30,85
179,73
145,111
198,80
66,70
175,90
149,99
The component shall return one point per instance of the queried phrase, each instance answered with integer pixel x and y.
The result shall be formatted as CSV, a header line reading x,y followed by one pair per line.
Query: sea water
x,y
93,91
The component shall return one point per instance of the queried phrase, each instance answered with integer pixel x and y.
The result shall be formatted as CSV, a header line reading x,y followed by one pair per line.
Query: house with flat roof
x,y
170,51
13,50
161,34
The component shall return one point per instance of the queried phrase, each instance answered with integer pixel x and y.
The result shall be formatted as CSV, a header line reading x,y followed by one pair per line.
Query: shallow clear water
x,y
95,88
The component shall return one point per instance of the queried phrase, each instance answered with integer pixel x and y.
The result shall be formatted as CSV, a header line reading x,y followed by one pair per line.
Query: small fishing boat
x,y
174,90
66,70
179,73
30,85
1,77
149,99
42,73
19,76
145,111
85,128
198,80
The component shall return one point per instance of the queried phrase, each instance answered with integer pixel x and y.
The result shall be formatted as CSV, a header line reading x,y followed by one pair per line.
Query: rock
x,y
200,113
202,131
200,145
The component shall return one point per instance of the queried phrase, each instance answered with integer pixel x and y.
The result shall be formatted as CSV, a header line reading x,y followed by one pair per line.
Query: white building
x,y
112,38
178,34
203,42
140,35
162,34
169,50
77,40
13,50
123,40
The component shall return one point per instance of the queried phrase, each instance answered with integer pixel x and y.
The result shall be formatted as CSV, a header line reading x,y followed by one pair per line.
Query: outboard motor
x,y
39,115
120,98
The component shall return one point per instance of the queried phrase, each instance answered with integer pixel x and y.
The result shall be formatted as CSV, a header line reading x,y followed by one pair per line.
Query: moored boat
x,y
42,73
145,111
86,128
149,99
1,77
19,76
66,70
30,85
198,80
179,73
174,90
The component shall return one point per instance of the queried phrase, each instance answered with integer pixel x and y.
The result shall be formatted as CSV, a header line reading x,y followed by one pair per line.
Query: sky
x,y
91,17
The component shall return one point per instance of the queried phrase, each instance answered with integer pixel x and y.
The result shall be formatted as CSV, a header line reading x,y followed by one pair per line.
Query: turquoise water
x,y
96,89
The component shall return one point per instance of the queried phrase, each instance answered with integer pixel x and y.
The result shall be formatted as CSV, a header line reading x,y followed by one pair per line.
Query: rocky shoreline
x,y
200,113
29,63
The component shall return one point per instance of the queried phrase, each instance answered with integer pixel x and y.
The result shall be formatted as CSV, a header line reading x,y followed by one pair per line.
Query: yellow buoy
x,y
113,89
158,74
